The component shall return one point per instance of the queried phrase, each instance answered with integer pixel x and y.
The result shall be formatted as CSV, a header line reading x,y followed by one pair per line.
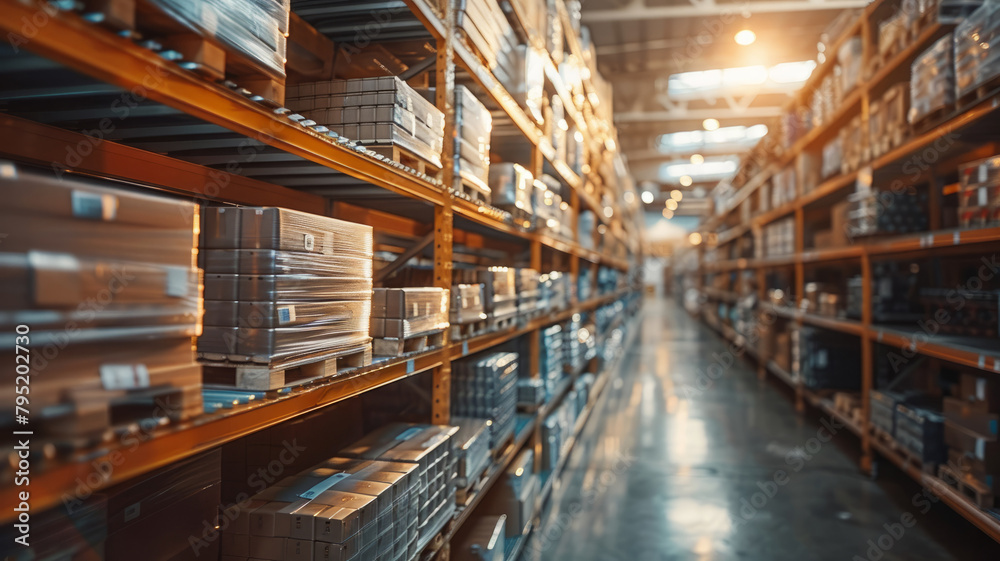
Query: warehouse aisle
x,y
673,468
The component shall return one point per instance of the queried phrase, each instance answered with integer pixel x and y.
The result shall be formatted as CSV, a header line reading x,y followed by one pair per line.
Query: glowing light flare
x,y
745,37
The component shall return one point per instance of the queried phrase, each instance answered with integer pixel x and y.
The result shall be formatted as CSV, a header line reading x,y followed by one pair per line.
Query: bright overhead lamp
x,y
710,124
676,195
647,197
694,238
686,180
745,37
671,204
668,214
697,159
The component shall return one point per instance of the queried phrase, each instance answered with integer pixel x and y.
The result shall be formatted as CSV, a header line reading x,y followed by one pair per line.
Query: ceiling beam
x,y
698,114
636,10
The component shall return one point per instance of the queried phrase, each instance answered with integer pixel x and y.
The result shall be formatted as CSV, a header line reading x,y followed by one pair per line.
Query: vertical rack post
x,y
867,359
800,285
444,83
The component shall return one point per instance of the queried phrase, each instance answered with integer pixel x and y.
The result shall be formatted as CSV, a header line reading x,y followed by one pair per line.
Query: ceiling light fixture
x,y
676,195
668,214
745,37
697,159
671,204
686,180
710,124
647,197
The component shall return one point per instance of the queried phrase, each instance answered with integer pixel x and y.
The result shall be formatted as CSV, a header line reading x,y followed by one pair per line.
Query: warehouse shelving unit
x,y
954,137
91,63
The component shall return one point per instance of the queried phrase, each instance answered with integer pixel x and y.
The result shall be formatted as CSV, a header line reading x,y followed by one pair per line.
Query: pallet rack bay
x,y
163,128
931,154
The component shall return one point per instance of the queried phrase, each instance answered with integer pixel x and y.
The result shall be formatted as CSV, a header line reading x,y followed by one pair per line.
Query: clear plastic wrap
x,y
474,126
976,62
932,80
849,57
275,262
106,280
431,449
485,387
472,448
408,312
524,79
285,230
255,28
483,23
283,284
467,304
376,111
338,510
833,157
512,187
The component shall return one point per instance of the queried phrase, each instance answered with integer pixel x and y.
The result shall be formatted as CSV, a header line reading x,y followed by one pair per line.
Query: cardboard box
x,y
973,415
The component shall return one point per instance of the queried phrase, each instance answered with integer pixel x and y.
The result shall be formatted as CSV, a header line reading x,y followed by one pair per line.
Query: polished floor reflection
x,y
676,466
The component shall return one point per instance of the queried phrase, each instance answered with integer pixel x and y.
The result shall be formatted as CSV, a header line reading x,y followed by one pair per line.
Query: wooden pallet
x,y
290,373
890,442
412,344
468,330
502,324
416,163
468,190
969,487
204,55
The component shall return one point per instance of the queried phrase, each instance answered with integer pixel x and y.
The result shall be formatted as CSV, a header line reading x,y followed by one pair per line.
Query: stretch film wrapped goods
x,y
374,111
551,359
431,449
554,291
976,59
979,198
99,273
499,287
485,387
512,188
339,510
474,126
932,80
254,28
485,26
467,304
523,76
407,312
472,448
281,284
517,492
526,286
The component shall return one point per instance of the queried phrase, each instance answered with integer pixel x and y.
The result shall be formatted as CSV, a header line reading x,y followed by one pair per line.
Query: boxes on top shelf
x,y
976,61
483,24
257,29
382,111
522,74
932,81
118,266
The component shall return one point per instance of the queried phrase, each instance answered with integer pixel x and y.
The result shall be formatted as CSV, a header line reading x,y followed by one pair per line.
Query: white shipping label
x,y
416,309
328,243
177,282
124,376
286,314
981,389
982,173
821,359
309,241
981,448
983,196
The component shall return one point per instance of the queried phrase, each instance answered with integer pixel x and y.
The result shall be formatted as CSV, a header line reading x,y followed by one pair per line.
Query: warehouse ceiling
x,y
641,43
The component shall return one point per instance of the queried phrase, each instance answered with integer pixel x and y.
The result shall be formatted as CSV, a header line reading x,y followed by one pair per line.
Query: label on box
x,y
286,314
981,449
309,241
56,278
93,206
124,376
981,389
177,282
318,488
133,511
328,243
982,173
